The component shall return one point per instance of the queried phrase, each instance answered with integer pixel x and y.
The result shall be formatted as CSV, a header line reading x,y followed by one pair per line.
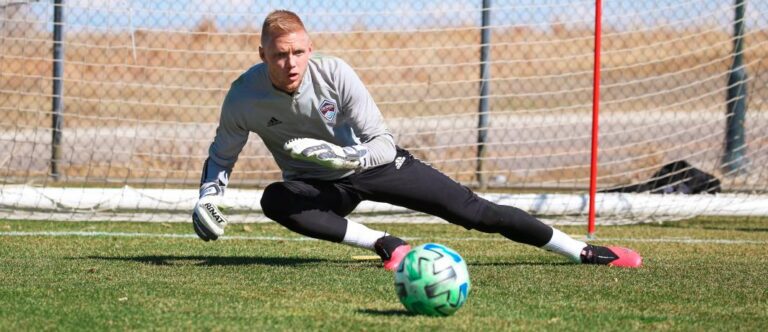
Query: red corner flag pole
x,y
595,118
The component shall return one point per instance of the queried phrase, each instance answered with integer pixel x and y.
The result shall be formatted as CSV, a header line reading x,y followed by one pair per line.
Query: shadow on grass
x,y
715,228
200,260
213,260
740,229
740,224
388,313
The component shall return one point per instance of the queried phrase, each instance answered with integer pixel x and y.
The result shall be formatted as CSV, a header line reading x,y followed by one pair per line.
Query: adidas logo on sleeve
x,y
273,122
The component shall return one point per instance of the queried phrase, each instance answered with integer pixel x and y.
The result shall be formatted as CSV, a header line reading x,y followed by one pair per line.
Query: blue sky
x,y
344,15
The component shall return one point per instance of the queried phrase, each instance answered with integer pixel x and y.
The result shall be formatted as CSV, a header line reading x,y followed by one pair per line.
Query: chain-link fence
x,y
142,83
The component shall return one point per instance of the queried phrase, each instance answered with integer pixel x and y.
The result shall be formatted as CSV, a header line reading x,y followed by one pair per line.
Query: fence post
x,y
485,75
58,86
734,160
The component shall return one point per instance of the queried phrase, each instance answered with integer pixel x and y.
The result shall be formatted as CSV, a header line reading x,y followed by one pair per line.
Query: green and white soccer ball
x,y
432,280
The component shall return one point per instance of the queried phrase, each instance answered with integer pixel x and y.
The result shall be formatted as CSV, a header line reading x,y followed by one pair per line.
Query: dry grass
x,y
181,77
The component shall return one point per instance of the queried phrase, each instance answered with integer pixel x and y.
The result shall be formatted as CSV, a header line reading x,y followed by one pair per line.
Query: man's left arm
x,y
365,117
376,147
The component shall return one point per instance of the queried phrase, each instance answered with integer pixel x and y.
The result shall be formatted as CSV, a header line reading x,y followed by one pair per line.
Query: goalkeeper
x,y
329,139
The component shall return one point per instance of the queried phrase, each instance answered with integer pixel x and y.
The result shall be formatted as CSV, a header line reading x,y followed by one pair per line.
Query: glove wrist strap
x,y
358,153
211,189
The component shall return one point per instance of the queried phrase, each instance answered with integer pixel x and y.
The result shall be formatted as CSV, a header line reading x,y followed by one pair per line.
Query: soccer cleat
x,y
611,256
392,250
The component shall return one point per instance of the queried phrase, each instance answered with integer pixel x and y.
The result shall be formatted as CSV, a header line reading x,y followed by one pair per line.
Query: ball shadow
x,y
386,313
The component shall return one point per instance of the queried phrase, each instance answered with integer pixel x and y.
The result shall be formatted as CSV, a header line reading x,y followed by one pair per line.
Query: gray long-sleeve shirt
x,y
331,104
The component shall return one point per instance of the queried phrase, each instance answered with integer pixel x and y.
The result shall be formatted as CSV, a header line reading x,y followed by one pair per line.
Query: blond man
x,y
329,139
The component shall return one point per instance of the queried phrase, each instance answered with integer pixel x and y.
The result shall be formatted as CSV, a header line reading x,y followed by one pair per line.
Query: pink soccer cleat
x,y
392,250
397,257
611,256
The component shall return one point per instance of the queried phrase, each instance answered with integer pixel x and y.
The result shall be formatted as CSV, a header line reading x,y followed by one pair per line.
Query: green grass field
x,y
704,274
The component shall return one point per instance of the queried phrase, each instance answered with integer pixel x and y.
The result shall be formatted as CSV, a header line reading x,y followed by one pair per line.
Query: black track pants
x,y
317,208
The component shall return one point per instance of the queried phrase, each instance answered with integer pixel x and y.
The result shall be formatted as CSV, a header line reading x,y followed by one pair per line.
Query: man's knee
x,y
502,217
290,205
492,218
274,199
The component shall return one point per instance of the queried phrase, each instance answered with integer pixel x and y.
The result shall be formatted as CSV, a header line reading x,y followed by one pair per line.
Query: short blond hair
x,y
280,22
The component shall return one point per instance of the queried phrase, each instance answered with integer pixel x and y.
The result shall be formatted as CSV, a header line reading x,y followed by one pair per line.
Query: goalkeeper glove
x,y
207,219
327,154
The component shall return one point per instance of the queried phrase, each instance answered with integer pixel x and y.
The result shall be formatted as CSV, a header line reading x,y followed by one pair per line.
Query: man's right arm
x,y
231,136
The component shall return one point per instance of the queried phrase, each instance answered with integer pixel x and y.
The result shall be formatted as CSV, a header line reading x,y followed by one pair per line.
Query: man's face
x,y
286,56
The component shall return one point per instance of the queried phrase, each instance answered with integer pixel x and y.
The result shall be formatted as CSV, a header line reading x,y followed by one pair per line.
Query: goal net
x,y
140,84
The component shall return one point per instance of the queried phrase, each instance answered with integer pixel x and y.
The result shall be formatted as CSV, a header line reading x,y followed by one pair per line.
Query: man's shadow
x,y
171,260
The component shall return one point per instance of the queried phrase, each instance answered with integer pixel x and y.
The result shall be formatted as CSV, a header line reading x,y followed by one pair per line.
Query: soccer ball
x,y
432,280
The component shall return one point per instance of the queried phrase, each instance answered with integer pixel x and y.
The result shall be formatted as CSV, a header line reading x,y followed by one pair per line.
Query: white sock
x,y
565,245
360,236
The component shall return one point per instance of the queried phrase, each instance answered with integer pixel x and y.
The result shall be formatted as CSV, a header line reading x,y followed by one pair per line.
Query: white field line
x,y
684,240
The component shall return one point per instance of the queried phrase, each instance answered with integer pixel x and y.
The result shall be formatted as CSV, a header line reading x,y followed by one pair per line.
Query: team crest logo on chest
x,y
328,109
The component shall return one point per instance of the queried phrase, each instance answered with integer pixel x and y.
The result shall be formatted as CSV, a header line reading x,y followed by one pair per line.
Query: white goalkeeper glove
x,y
327,154
207,219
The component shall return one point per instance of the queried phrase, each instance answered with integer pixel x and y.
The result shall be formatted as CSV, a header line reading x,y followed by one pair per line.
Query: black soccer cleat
x,y
611,256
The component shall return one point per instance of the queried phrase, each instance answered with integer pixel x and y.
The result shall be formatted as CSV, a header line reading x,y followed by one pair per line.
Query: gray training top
x,y
331,104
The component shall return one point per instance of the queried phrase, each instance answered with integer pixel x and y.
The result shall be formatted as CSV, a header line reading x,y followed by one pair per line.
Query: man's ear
x,y
261,54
